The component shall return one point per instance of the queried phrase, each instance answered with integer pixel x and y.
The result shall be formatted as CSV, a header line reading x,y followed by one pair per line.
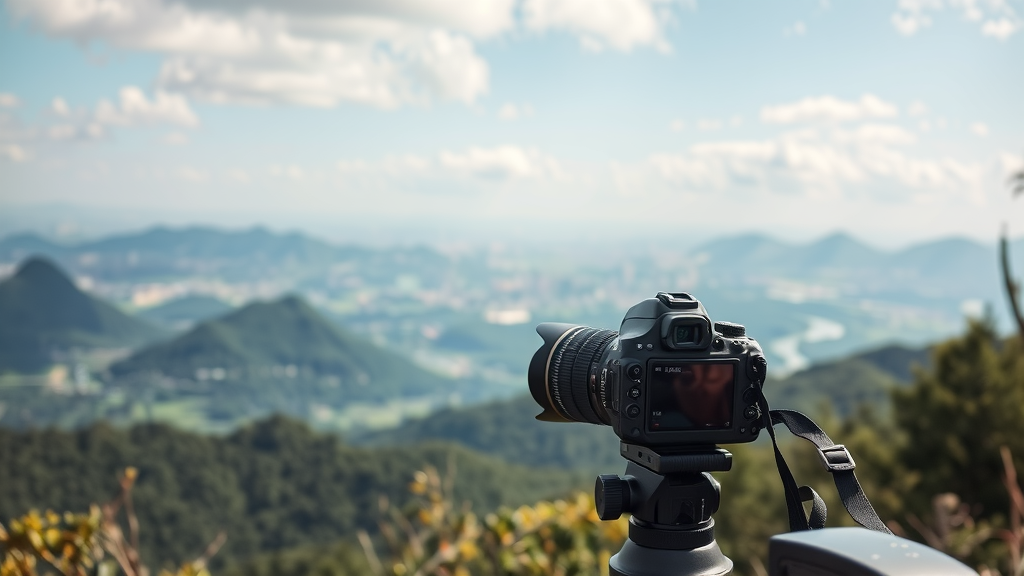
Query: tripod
x,y
671,498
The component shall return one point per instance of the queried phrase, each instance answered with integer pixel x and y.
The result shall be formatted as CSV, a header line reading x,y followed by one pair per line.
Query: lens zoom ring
x,y
561,362
590,352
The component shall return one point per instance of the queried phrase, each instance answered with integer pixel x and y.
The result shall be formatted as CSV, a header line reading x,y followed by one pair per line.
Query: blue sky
x,y
602,120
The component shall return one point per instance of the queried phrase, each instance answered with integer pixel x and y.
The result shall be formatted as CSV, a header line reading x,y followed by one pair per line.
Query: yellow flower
x,y
468,549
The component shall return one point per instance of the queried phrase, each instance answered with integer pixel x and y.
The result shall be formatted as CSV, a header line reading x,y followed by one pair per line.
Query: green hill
x,y
279,356
43,314
840,386
507,429
284,333
272,485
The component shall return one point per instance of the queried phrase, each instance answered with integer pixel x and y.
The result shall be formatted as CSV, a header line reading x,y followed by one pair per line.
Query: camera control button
x,y
634,392
718,344
750,396
632,411
751,413
635,372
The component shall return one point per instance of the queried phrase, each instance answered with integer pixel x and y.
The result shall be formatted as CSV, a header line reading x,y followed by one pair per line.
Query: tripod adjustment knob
x,y
611,496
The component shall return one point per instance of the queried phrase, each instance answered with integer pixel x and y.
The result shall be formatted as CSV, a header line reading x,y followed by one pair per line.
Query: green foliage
x,y
270,486
85,543
839,386
341,557
958,415
42,313
507,429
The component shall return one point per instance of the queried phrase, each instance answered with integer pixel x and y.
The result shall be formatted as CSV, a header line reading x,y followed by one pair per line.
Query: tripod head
x,y
671,498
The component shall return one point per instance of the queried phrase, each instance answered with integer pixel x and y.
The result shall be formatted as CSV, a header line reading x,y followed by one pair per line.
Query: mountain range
x,y
254,254
44,315
277,356
944,268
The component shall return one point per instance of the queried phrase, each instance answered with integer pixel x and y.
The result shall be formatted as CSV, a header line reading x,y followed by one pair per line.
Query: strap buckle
x,y
836,458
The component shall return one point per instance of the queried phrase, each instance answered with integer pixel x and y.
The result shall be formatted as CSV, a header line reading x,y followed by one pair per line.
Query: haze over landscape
x,y
278,259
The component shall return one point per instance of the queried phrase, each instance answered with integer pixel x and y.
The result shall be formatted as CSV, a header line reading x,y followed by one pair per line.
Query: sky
x,y
585,123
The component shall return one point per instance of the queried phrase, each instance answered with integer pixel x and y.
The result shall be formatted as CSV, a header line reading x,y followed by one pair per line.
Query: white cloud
x,y
14,153
60,107
980,129
818,163
501,163
289,171
998,19
917,108
381,53
828,109
175,139
909,24
1001,29
480,18
135,109
191,174
237,175
600,24
510,111
83,131
1009,164
8,100
876,134
709,125
797,29
308,53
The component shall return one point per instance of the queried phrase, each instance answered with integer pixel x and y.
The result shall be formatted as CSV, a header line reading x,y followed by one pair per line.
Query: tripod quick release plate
x,y
711,459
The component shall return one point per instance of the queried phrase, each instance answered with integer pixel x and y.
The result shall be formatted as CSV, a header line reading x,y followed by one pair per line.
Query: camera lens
x,y
560,372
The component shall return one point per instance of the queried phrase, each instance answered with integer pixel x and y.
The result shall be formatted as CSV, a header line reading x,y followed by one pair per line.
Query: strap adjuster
x,y
836,458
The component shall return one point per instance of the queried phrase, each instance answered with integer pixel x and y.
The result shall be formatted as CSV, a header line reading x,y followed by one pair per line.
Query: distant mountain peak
x,y
42,311
838,237
40,270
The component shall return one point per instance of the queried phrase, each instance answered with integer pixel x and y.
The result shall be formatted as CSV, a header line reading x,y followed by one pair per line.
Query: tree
x,y
958,415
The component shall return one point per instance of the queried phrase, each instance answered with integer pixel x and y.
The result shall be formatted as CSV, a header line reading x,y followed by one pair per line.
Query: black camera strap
x,y
837,460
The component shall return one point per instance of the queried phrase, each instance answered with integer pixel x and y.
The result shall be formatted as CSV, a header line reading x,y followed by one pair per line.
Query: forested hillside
x,y
269,486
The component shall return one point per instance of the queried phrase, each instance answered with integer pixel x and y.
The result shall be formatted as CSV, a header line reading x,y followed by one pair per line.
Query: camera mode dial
x,y
730,329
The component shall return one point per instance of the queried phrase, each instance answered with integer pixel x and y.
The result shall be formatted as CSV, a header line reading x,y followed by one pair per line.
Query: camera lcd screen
x,y
691,395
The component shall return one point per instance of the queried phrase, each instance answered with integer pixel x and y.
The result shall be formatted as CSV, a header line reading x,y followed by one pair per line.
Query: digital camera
x,y
668,378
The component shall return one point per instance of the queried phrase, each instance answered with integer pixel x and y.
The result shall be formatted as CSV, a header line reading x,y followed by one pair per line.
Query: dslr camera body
x,y
669,378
